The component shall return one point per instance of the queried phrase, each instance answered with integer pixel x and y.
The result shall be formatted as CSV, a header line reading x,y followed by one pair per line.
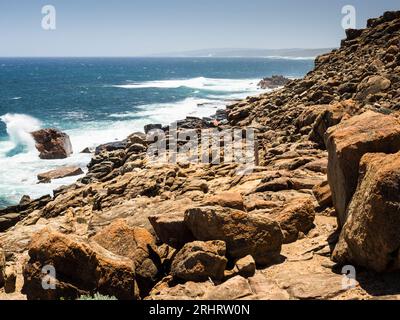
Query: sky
x,y
145,27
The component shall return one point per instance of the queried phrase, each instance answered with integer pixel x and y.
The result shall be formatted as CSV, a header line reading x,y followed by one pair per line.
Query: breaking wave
x,y
200,83
19,128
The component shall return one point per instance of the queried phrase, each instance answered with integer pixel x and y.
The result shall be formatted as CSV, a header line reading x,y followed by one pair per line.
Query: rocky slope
x,y
324,194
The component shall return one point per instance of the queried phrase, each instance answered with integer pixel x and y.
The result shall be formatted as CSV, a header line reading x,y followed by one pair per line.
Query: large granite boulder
x,y
347,143
52,144
244,233
136,244
370,236
199,261
80,269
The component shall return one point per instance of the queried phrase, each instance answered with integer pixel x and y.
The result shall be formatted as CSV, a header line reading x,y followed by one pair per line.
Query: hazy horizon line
x,y
180,54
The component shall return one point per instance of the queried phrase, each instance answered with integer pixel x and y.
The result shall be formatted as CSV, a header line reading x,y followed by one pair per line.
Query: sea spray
x,y
19,128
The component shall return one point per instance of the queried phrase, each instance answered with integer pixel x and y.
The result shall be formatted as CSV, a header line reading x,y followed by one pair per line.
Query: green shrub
x,y
97,296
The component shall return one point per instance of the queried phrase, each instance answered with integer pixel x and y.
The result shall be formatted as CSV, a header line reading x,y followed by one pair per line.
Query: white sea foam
x,y
19,127
166,113
200,83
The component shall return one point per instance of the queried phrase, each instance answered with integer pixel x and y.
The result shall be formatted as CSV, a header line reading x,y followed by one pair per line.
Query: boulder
x,y
8,220
171,229
81,269
86,150
347,143
111,146
322,192
137,138
319,165
25,200
295,219
370,236
352,34
195,185
245,267
372,85
244,233
232,200
328,116
273,82
52,144
136,244
151,127
198,261
59,173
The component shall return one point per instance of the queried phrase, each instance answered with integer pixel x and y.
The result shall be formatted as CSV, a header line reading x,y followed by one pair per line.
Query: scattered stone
x,y
198,261
59,173
232,200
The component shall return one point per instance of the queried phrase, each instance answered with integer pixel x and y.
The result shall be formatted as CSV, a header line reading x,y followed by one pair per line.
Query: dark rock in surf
x,y
52,144
273,82
112,146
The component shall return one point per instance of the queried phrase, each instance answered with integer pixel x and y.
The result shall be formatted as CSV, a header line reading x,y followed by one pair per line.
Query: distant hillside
x,y
249,53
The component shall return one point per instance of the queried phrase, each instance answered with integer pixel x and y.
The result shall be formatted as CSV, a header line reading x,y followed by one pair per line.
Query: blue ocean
x,y
99,100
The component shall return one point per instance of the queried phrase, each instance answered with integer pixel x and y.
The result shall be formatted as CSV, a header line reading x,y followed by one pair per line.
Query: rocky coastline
x,y
322,199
